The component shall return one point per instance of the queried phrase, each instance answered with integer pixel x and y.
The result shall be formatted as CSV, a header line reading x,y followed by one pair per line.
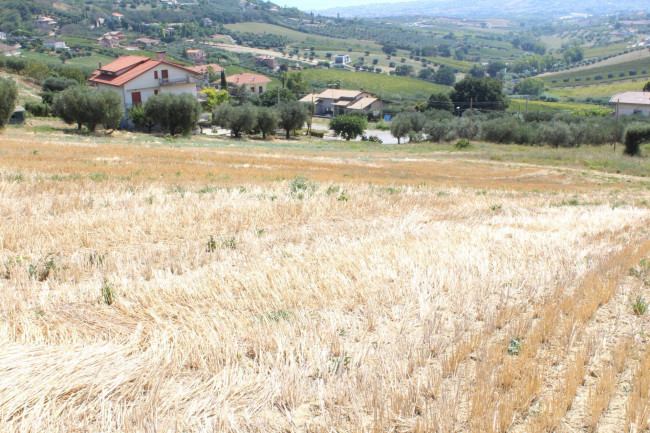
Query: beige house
x,y
254,82
334,102
147,42
628,103
45,24
55,43
9,50
196,56
136,78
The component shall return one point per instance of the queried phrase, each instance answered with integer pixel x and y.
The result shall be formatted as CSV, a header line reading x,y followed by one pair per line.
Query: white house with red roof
x,y
254,82
135,78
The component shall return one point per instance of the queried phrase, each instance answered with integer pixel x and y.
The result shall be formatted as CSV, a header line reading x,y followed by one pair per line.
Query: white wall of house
x,y
55,45
147,84
630,109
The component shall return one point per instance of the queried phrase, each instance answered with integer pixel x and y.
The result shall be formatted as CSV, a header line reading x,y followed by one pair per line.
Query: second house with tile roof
x,y
136,78
254,82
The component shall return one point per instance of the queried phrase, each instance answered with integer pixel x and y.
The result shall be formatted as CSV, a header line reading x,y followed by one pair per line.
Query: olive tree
x,y
88,107
8,98
240,119
292,116
267,120
400,127
174,112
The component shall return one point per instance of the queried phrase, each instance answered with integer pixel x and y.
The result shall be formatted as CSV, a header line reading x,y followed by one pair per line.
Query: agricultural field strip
x,y
200,163
315,302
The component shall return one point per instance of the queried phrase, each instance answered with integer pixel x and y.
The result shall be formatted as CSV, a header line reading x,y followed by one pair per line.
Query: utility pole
x,y
469,130
526,104
311,109
616,127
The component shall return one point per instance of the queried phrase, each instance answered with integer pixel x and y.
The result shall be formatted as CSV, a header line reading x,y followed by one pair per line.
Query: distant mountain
x,y
488,8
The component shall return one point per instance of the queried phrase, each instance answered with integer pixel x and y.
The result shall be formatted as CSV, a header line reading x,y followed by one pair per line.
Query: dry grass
x,y
149,288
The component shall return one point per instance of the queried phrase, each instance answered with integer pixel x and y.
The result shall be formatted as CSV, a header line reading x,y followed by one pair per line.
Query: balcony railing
x,y
172,81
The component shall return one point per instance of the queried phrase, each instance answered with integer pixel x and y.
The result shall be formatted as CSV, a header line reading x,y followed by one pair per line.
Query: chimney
x,y
100,65
161,55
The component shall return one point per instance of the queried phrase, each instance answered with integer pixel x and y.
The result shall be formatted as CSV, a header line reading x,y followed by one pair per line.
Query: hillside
x,y
484,8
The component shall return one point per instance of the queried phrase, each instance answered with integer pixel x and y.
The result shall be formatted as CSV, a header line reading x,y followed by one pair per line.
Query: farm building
x,y
341,59
628,103
268,61
55,43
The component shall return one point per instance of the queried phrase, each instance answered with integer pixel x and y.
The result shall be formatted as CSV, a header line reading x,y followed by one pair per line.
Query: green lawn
x,y
391,87
607,50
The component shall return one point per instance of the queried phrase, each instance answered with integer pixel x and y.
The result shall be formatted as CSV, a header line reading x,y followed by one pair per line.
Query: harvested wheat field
x,y
161,288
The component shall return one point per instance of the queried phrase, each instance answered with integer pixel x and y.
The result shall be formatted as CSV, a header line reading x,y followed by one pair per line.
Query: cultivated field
x,y
200,285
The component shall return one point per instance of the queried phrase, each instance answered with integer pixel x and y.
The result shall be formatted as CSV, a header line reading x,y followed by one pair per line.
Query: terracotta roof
x,y
362,104
124,62
194,51
642,98
137,68
202,69
247,78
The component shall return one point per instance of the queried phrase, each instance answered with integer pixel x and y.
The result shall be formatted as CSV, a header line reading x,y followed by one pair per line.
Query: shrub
x,y
462,144
174,112
499,130
437,130
639,306
635,135
8,98
301,187
349,127
240,120
38,109
555,134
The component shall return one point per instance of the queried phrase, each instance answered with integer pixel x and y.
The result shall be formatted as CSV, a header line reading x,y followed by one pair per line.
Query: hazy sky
x,y
320,4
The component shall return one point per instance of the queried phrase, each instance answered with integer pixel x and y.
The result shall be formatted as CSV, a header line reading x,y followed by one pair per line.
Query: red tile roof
x,y
247,78
134,66
124,62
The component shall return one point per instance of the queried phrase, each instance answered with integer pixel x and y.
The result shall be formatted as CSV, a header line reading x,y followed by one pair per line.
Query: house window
x,y
165,74
136,98
253,89
155,74
261,89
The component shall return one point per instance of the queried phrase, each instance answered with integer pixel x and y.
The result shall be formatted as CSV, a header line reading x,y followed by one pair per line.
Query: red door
x,y
136,98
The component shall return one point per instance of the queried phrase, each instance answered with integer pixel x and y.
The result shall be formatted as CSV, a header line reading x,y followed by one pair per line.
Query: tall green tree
x,y
440,101
445,76
293,115
8,98
270,97
529,86
297,84
487,93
